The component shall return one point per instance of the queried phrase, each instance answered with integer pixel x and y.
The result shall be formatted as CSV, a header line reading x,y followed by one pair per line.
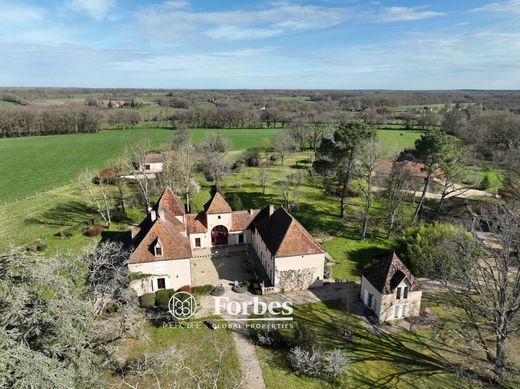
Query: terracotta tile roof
x,y
387,272
196,223
174,245
283,235
415,168
154,158
217,205
169,205
241,220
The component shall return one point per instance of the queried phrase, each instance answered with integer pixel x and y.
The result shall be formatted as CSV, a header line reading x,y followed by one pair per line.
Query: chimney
x,y
271,209
153,214
250,211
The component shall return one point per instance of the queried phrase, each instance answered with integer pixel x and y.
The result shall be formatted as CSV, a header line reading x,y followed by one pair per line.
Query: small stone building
x,y
390,290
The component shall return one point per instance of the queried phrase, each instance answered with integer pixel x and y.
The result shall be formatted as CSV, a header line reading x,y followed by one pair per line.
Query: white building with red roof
x,y
168,239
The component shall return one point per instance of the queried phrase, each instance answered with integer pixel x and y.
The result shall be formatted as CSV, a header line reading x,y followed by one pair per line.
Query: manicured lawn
x,y
398,360
352,255
395,141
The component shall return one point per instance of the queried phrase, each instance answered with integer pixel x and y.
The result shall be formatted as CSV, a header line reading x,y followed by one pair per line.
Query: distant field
x,y
35,164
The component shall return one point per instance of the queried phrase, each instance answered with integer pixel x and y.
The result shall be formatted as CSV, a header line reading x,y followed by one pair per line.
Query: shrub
x,y
421,247
94,230
185,288
246,284
218,291
147,300
239,289
162,297
203,289
306,362
315,362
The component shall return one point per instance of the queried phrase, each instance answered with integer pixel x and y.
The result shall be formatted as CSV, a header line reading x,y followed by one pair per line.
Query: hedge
x,y
162,297
147,300
202,289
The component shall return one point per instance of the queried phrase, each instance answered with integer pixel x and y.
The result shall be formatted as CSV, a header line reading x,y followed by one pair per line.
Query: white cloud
x,y
507,8
403,14
11,13
277,19
177,4
96,9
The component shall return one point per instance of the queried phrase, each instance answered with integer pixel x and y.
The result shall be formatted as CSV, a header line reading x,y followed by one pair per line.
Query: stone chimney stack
x,y
271,209
153,214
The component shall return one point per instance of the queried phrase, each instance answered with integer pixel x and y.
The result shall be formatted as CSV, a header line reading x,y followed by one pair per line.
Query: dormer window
x,y
158,249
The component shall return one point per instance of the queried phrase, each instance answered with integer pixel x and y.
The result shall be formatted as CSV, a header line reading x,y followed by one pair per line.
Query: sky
x,y
292,44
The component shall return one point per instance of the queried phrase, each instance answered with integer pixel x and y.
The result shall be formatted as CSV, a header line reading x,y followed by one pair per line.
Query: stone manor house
x,y
168,239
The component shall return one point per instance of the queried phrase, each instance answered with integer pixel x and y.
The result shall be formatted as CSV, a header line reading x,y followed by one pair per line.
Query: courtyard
x,y
218,267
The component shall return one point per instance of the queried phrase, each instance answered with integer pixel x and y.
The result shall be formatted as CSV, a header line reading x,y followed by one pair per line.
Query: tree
x,y
453,172
433,149
284,145
100,196
266,147
53,331
289,190
368,154
262,179
180,166
397,185
485,283
135,159
300,133
335,159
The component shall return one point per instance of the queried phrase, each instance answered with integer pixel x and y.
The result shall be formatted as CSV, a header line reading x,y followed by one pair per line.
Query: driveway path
x,y
249,363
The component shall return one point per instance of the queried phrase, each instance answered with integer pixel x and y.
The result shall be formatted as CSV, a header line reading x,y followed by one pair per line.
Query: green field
x,y
39,163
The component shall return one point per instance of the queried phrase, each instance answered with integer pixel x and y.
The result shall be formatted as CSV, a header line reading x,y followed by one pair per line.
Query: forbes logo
x,y
255,307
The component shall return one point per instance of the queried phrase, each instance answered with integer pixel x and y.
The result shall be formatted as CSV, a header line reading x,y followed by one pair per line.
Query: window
x,y
161,283
197,242
399,311
158,251
218,217
398,294
405,292
240,238
147,167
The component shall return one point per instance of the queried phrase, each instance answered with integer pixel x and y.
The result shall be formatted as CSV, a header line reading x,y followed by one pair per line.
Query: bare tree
x,y
180,166
99,195
135,158
483,279
397,185
284,145
262,179
369,153
289,190
266,147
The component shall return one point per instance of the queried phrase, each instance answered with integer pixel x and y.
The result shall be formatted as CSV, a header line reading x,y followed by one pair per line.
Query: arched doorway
x,y
219,235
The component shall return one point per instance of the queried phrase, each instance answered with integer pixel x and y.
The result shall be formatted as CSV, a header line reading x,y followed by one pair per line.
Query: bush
x,y
218,291
185,288
94,230
421,248
147,300
246,284
203,289
314,362
162,297
239,289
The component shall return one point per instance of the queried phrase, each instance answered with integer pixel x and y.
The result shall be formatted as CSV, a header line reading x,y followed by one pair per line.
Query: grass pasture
x,y
39,163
